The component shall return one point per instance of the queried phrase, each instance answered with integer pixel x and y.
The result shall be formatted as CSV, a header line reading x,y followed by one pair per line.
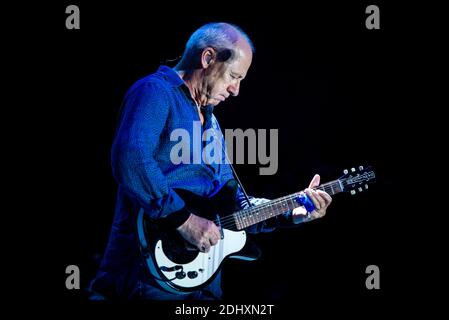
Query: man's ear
x,y
207,57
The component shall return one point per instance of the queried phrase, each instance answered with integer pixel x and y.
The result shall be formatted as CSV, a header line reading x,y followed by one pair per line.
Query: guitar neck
x,y
252,215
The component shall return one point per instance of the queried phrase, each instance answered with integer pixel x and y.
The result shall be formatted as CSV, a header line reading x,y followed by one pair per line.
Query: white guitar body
x,y
198,271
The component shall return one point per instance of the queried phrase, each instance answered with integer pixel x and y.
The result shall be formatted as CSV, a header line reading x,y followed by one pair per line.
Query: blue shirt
x,y
153,108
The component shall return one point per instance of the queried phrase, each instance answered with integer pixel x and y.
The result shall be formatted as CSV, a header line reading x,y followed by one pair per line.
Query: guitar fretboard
x,y
252,215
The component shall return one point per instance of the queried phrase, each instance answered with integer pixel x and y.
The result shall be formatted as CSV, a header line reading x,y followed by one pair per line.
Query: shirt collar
x,y
171,76
175,80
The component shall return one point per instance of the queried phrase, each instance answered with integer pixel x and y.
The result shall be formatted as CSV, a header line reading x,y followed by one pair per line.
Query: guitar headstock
x,y
357,179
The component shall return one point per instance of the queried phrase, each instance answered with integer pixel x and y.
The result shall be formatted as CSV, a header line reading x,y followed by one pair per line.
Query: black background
x,y
333,89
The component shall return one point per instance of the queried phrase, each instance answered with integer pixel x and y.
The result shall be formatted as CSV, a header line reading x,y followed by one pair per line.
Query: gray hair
x,y
218,35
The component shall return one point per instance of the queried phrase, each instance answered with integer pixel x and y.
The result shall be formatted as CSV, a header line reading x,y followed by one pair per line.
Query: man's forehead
x,y
242,63
244,47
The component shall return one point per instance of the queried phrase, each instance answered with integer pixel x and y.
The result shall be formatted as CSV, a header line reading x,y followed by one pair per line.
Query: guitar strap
x,y
238,180
207,112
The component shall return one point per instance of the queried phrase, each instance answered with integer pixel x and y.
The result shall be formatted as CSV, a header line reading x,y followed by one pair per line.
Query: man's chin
x,y
214,102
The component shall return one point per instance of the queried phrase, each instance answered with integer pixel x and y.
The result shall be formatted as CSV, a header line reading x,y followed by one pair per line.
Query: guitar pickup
x,y
219,227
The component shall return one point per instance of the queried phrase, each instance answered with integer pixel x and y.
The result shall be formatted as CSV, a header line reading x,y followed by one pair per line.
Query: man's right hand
x,y
200,232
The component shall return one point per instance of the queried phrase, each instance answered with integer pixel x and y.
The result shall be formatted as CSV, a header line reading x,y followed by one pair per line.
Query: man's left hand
x,y
321,200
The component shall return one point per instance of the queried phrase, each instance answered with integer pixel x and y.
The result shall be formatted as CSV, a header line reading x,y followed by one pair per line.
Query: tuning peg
x,y
366,186
353,192
360,189
352,169
360,168
345,171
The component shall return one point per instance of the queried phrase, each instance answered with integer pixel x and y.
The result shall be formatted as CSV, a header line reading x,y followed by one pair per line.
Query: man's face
x,y
223,79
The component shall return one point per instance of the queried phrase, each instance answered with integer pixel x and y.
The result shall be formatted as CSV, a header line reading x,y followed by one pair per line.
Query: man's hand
x,y
320,199
200,232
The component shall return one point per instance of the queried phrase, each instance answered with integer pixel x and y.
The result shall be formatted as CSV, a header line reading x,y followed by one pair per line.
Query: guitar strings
x,y
269,207
273,202
231,220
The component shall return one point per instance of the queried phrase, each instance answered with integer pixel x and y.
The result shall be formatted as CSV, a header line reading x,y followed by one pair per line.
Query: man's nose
x,y
234,89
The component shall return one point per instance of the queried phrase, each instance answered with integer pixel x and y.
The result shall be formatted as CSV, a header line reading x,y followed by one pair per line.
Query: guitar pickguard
x,y
204,266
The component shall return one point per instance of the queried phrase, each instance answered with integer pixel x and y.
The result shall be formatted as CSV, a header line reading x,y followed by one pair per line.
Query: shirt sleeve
x,y
145,112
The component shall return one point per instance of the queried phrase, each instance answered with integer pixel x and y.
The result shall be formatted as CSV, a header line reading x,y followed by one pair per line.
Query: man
x,y
215,61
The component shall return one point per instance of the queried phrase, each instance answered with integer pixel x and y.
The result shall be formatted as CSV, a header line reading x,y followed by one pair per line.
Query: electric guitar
x,y
179,269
